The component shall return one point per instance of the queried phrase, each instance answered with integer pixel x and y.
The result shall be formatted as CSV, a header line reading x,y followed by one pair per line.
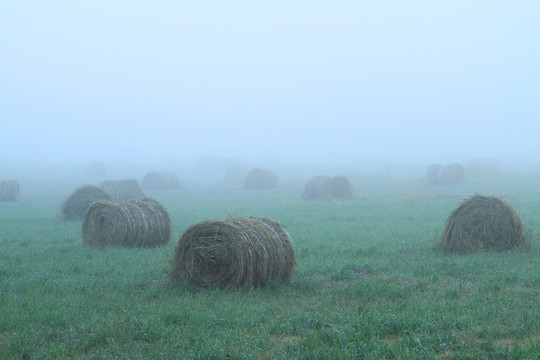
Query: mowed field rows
x,y
368,283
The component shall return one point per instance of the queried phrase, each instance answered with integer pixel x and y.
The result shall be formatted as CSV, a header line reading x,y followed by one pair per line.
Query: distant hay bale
x,y
134,223
96,169
126,189
432,175
260,179
452,174
160,181
79,201
9,190
483,223
323,187
233,253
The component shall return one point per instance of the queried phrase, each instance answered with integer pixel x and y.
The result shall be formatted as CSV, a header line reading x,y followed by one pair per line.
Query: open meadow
x,y
367,285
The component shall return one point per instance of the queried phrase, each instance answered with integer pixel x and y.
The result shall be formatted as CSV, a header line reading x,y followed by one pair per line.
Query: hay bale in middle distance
x,y
77,203
323,187
126,189
133,223
260,179
233,253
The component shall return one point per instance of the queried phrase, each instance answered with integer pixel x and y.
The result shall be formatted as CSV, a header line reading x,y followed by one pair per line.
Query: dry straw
x,y
160,181
77,203
260,179
233,253
133,223
483,223
9,190
126,189
323,187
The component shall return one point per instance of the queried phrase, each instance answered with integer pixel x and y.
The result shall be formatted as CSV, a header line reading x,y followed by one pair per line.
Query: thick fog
x,y
291,82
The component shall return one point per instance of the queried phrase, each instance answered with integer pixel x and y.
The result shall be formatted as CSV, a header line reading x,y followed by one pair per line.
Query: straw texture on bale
x,y
260,179
126,189
80,200
452,174
9,190
323,187
134,223
233,253
483,223
160,181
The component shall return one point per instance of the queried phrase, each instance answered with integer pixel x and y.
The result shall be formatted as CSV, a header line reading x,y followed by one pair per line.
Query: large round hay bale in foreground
x,y
126,189
233,253
483,223
160,181
79,201
323,187
9,190
452,174
134,223
260,179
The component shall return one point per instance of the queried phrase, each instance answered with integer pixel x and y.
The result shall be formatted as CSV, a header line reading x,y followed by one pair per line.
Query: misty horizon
x,y
330,83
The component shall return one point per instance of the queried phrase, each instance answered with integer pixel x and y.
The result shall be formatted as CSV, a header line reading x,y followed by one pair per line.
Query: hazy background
x,y
318,82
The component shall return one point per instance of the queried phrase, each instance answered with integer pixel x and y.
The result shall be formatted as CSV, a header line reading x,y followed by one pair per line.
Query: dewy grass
x,y
367,283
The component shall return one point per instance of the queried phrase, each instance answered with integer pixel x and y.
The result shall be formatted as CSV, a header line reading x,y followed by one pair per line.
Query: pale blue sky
x,y
297,81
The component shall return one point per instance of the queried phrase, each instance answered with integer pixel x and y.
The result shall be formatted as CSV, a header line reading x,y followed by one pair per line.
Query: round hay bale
x,y
483,223
323,187
260,179
134,223
432,175
96,169
233,253
122,190
160,181
452,174
79,201
9,190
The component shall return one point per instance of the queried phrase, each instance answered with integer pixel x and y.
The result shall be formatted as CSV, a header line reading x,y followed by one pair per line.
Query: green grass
x,y
367,285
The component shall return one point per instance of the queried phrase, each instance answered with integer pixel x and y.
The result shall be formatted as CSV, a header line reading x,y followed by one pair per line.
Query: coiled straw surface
x,y
133,223
232,253
77,203
483,223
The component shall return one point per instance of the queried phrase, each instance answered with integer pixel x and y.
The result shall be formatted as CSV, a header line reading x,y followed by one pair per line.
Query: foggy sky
x,y
299,82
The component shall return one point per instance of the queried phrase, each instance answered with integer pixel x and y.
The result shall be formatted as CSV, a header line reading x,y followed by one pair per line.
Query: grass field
x,y
368,284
